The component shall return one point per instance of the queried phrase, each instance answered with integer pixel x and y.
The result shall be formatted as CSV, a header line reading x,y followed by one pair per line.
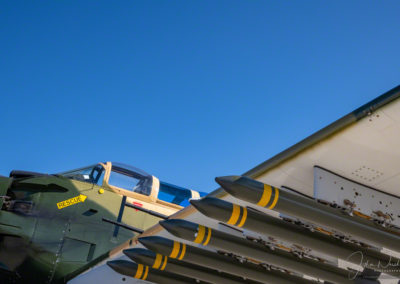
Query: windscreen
x,y
91,174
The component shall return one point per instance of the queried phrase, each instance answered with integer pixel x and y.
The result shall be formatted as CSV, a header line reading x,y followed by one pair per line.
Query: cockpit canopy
x,y
128,178
121,176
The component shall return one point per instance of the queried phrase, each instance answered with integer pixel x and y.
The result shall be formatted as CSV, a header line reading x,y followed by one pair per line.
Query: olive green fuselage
x,y
51,227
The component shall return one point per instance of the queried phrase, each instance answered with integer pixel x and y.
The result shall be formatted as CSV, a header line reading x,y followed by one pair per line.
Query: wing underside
x,y
325,210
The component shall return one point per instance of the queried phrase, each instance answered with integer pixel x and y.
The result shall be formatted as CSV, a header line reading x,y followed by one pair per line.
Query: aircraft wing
x,y
325,210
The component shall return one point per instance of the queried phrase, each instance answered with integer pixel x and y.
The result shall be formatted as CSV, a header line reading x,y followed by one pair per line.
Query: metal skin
x,y
301,207
54,228
165,263
213,260
328,131
193,232
223,241
143,272
50,243
150,212
259,222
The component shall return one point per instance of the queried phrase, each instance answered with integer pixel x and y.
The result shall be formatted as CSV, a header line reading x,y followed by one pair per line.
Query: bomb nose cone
x,y
146,241
177,223
231,184
113,264
226,181
135,252
207,203
122,266
195,202
241,187
180,228
139,255
170,225
174,226
201,205
157,244
214,208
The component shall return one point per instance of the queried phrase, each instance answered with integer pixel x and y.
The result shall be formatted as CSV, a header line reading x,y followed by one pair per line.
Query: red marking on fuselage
x,y
137,204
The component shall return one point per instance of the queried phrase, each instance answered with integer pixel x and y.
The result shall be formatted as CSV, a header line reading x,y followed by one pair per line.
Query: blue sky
x,y
185,90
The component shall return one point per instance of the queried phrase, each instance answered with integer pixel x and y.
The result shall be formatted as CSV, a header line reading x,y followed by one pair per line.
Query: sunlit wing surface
x,y
324,210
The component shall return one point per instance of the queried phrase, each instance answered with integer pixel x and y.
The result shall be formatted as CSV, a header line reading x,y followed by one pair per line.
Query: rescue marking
x,y
71,201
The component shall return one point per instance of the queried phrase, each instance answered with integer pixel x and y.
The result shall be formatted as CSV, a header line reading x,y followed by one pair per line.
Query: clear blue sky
x,y
185,90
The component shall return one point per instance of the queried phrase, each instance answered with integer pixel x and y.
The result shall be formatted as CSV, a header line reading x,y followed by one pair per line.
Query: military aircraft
x,y
54,226
326,210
